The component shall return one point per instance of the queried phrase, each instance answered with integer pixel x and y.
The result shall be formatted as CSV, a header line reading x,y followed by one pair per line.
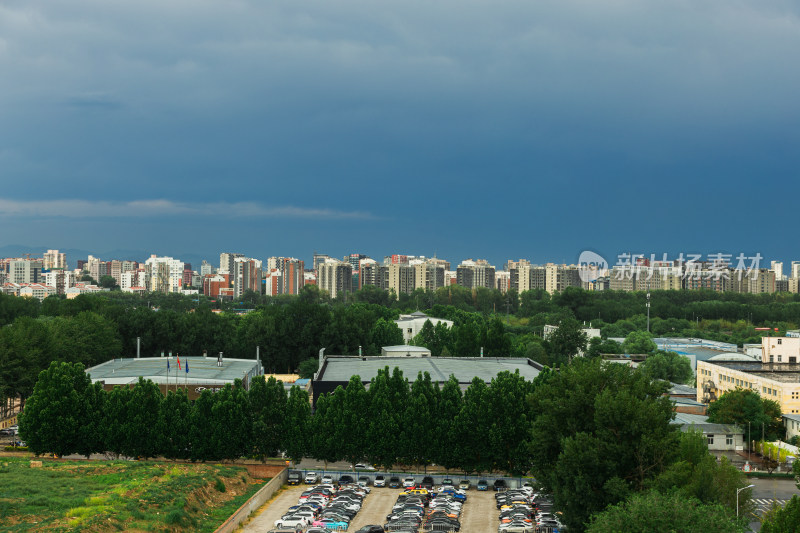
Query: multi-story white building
x,y
226,261
36,290
60,280
412,324
25,271
54,260
164,274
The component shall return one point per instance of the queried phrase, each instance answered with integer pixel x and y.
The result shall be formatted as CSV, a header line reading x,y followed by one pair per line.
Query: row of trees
x,y
393,423
594,434
68,414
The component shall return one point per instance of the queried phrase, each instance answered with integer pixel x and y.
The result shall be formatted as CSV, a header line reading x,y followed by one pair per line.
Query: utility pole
x,y
648,307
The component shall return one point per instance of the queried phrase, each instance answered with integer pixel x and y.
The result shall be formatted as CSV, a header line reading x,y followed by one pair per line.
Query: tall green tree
x,y
567,341
351,428
418,429
668,366
697,474
471,430
141,427
510,419
784,519
56,411
383,421
653,512
296,424
745,406
173,425
639,342
267,400
602,430
445,450
231,429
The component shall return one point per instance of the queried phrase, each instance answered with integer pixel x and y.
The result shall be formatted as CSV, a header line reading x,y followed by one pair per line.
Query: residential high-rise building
x,y
502,280
520,275
319,259
373,273
206,268
777,267
428,275
54,260
292,275
25,271
402,278
165,274
334,276
59,279
246,276
226,261
97,268
473,274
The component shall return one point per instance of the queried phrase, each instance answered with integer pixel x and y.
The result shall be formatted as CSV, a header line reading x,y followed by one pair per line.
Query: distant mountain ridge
x,y
74,254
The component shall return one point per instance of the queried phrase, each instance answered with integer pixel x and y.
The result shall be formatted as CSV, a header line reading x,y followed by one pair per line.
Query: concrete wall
x,y
257,500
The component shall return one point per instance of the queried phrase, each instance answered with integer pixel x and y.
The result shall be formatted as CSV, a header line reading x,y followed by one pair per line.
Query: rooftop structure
x,y
204,372
336,370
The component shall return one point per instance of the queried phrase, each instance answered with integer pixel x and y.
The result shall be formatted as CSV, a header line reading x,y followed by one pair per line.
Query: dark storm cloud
x,y
473,116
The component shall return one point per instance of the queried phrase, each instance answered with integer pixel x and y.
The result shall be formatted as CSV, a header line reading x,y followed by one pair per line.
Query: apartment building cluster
x,y
643,274
402,274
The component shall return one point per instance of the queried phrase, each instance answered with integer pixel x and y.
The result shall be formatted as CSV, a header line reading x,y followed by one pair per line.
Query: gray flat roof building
x,y
204,372
336,370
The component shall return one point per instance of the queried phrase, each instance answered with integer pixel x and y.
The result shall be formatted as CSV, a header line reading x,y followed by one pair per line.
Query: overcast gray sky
x,y
462,128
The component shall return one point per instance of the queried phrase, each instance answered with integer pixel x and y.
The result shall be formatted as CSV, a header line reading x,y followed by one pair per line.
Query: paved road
x,y
769,490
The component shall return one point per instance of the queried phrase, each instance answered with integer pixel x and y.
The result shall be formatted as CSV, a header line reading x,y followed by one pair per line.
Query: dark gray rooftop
x,y
783,372
341,368
201,369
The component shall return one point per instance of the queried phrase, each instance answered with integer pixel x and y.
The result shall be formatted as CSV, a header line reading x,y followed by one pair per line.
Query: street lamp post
x,y
737,497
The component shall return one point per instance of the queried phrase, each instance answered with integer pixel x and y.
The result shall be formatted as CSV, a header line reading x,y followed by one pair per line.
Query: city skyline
x,y
460,129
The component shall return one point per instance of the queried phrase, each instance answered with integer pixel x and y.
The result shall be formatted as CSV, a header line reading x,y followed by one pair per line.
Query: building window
x,y
780,341
780,358
710,439
729,440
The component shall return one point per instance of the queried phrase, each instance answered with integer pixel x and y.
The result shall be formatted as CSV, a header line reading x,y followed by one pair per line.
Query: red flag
x,y
179,361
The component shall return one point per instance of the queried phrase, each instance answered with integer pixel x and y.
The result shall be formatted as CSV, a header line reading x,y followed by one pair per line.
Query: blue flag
x,y
187,366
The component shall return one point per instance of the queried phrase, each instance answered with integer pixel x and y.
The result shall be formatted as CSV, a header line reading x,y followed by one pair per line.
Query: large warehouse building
x,y
204,373
336,370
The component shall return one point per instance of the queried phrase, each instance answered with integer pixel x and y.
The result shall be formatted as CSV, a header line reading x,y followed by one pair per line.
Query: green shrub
x,y
219,485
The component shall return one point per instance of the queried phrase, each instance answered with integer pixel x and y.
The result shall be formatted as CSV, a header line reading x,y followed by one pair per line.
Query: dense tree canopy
x,y
745,406
653,512
601,431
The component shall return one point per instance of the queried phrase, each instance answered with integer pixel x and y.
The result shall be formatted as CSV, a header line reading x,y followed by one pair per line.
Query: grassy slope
x,y
119,496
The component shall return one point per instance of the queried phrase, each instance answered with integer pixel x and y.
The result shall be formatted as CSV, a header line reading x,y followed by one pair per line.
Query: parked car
x,y
409,482
363,481
294,478
427,482
500,485
482,485
312,478
296,522
327,480
464,484
371,529
346,480
380,480
395,483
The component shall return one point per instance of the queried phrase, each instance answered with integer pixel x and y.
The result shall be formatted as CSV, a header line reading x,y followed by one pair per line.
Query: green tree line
x,y
594,434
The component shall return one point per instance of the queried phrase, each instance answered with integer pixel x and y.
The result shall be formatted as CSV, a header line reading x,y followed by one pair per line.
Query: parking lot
x,y
479,514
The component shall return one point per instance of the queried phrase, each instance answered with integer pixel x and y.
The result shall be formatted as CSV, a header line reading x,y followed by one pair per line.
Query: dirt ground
x,y
479,514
